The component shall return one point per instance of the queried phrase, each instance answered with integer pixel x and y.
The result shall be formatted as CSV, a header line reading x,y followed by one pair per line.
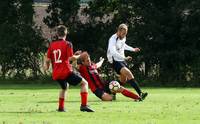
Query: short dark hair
x,y
61,31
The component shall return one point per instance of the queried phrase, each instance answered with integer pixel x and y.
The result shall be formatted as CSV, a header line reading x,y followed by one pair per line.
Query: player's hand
x,y
99,64
78,52
128,58
45,68
136,50
46,63
101,59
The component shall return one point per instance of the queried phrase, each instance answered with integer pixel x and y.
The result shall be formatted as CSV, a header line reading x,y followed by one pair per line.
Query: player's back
x,y
91,74
59,52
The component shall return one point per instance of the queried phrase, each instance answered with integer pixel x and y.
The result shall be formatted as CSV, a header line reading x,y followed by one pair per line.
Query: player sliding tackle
x,y
89,71
60,53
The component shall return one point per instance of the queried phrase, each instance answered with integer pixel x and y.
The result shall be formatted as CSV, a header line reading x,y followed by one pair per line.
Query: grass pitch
x,y
37,104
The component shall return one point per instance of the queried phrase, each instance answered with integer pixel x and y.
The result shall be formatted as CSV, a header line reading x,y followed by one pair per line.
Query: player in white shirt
x,y
116,57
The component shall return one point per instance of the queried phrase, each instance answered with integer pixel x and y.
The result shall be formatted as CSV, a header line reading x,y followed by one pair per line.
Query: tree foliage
x,y
169,36
20,42
62,12
166,30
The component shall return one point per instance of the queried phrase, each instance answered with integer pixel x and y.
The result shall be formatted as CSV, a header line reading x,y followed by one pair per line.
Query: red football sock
x,y
84,96
61,103
130,94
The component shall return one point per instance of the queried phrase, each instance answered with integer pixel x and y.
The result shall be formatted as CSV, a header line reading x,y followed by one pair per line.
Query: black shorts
x,y
118,65
72,79
99,92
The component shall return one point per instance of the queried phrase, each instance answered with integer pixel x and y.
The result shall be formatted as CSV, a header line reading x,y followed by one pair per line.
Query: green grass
x,y
36,104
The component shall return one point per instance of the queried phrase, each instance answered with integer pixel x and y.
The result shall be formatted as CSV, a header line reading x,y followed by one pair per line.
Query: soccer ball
x,y
114,86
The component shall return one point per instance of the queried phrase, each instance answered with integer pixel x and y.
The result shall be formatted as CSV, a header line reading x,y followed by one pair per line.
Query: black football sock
x,y
134,84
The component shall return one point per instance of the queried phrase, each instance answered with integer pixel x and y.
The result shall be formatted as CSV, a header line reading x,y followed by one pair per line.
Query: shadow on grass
x,y
32,86
71,101
91,101
26,112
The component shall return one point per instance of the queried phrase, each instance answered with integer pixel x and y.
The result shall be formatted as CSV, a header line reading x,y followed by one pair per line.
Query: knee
x,y
123,81
126,72
106,97
63,90
84,82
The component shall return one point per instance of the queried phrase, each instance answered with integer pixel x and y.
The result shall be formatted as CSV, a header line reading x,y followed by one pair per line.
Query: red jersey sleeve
x,y
70,51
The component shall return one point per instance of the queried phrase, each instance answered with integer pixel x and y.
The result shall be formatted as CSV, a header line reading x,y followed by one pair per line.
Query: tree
x,y
21,42
170,36
83,35
62,12
166,30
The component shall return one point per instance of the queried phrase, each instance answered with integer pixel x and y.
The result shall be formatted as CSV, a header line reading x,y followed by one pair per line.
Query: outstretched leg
x,y
128,93
106,97
125,72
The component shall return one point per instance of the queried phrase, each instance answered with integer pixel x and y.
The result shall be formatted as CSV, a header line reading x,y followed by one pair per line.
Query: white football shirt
x,y
116,48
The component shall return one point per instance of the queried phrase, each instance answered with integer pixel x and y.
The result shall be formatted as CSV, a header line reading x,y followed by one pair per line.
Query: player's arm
x,y
46,63
99,64
129,48
75,62
74,58
78,67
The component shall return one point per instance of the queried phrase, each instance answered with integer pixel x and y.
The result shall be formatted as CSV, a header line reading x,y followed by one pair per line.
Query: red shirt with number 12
x,y
59,52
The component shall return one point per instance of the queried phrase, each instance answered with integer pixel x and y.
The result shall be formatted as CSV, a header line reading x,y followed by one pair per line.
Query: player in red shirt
x,y
60,54
89,71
